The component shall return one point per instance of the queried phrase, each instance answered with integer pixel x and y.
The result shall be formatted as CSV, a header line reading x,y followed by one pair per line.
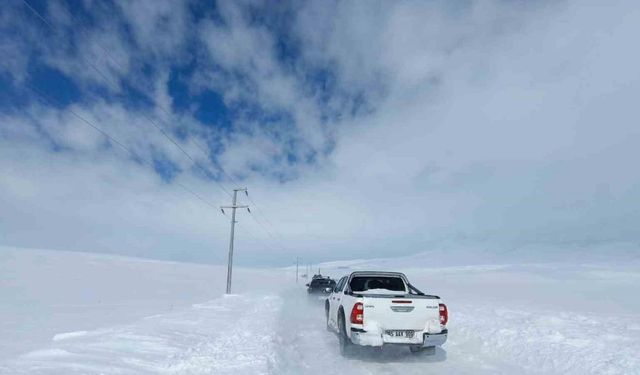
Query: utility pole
x,y
233,224
297,261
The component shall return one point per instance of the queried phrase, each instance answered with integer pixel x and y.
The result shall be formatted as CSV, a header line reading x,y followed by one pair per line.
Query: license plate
x,y
399,333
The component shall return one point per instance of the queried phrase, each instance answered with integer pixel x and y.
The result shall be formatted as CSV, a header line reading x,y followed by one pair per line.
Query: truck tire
x,y
344,341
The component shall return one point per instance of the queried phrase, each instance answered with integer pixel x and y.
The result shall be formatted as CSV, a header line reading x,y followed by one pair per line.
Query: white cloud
x,y
496,122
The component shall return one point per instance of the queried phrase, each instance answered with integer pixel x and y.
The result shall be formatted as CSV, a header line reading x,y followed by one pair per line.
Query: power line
x,y
162,131
115,61
264,228
53,29
259,211
195,162
149,119
256,239
112,139
37,13
195,142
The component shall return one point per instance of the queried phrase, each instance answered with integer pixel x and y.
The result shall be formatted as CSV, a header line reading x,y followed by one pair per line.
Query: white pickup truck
x,y
378,308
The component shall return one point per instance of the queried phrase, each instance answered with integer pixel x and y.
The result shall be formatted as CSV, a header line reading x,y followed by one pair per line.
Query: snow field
x,y
228,335
555,318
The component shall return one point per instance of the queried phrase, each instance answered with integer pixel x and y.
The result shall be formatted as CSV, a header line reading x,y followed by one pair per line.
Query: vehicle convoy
x,y
380,308
320,284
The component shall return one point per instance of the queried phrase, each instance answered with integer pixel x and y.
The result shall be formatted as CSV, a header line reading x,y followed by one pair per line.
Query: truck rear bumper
x,y
435,339
364,338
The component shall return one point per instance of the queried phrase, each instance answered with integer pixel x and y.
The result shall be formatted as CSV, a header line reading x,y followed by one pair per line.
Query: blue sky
x,y
360,128
63,36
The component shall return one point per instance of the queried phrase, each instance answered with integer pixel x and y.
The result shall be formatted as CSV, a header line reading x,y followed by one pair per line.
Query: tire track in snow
x,y
484,339
305,347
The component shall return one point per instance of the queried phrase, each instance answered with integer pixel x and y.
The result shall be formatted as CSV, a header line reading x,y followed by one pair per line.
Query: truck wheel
x,y
345,342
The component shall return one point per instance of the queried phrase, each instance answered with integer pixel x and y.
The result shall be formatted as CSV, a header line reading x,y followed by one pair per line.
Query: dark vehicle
x,y
319,284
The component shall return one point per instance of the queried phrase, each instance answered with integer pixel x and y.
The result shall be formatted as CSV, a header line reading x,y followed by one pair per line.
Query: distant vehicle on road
x,y
320,284
379,308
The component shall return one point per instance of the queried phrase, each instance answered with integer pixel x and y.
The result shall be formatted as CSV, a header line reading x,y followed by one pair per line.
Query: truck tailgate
x,y
406,313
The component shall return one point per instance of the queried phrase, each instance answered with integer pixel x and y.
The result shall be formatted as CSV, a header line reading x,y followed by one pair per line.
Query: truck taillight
x,y
357,311
444,314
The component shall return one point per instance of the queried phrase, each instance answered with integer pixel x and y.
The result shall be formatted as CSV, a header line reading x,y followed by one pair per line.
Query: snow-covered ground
x,y
75,313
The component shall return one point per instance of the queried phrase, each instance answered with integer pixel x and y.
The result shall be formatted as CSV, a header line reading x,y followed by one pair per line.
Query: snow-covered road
x,y
285,334
307,348
230,335
550,319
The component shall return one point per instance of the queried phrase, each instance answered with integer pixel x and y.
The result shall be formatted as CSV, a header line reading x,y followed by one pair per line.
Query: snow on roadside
x,y
228,335
543,341
45,292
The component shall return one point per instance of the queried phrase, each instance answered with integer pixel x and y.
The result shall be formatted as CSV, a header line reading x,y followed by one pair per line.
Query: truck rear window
x,y
320,282
366,283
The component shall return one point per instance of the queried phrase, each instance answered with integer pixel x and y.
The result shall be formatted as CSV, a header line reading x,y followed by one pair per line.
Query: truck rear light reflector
x,y
444,314
357,313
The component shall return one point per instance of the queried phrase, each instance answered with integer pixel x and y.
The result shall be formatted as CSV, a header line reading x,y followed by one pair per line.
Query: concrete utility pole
x,y
297,261
233,224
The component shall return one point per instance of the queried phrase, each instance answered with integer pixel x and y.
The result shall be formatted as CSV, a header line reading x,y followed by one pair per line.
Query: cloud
x,y
360,129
